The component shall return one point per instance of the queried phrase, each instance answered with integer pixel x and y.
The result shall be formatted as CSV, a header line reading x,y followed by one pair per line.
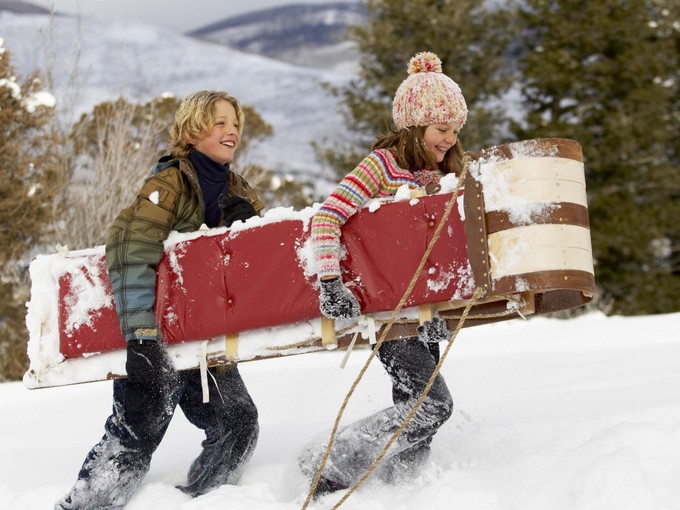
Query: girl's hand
x,y
336,301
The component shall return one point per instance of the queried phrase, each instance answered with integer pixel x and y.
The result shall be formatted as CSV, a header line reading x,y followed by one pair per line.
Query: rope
x,y
402,302
416,406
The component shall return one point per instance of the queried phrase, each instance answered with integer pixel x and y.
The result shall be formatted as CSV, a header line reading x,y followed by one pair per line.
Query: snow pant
x,y
115,467
409,364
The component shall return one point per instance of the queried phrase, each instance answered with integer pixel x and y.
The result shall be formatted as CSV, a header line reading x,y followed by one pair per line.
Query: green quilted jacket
x,y
170,199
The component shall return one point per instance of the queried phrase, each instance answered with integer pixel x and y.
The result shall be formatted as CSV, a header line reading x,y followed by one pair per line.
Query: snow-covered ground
x,y
580,415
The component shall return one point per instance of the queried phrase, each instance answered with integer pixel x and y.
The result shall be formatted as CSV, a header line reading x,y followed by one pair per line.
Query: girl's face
x,y
222,140
439,138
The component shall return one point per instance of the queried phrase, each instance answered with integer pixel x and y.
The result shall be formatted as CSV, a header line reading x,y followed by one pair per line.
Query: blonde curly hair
x,y
195,117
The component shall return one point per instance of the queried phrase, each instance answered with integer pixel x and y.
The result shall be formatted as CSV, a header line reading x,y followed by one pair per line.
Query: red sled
x,y
520,231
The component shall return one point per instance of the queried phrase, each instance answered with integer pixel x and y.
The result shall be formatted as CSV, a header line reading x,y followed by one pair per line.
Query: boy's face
x,y
222,140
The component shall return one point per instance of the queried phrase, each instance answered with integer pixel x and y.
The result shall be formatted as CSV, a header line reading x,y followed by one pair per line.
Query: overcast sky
x,y
182,15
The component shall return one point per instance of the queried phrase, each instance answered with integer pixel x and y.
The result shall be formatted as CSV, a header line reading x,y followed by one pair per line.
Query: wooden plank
x,y
425,313
518,182
232,345
328,338
540,248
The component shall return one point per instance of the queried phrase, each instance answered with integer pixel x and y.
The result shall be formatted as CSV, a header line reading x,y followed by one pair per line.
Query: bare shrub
x,y
111,151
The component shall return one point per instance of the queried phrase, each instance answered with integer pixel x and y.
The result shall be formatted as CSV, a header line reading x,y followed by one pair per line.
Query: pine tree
x,y
28,174
606,73
471,40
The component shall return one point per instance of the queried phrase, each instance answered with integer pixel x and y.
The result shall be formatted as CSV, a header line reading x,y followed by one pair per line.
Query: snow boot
x,y
326,486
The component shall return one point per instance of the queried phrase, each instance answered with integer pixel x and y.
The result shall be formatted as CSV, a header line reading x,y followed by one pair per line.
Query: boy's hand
x,y
235,209
148,363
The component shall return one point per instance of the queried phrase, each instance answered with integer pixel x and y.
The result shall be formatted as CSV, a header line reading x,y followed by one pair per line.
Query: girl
x,y
427,114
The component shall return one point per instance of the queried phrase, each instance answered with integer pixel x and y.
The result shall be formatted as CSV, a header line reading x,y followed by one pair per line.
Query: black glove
x,y
434,331
151,381
336,301
148,364
235,208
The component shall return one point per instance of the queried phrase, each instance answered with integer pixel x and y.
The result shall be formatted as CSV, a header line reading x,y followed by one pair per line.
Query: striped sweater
x,y
377,175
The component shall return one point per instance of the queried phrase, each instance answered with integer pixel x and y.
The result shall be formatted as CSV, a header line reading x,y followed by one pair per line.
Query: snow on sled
x,y
519,230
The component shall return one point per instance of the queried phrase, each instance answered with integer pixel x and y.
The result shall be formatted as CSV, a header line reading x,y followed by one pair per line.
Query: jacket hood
x,y
163,163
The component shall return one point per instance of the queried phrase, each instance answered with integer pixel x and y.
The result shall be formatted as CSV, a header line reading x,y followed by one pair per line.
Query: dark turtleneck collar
x,y
212,176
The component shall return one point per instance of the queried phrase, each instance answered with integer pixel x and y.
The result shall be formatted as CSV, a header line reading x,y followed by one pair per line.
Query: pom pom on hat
x,y
427,96
425,62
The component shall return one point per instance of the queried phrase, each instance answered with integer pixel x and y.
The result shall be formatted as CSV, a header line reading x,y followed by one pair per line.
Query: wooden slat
x,y
563,213
540,248
476,233
232,345
522,183
328,338
541,282
554,147
425,313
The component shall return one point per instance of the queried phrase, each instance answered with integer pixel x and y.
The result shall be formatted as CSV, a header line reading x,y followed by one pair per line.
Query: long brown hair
x,y
412,154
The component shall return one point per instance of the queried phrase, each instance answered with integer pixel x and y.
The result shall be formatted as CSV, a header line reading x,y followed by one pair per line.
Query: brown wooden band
x,y
566,214
476,232
547,147
543,281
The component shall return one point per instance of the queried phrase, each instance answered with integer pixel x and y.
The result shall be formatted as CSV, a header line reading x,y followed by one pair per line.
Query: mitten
x,y
336,301
148,364
150,382
434,331
235,208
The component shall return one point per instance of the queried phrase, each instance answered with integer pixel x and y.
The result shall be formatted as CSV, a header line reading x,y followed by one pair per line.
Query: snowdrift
x,y
519,231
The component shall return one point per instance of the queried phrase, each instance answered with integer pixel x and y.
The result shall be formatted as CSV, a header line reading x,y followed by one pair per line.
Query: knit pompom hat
x,y
427,96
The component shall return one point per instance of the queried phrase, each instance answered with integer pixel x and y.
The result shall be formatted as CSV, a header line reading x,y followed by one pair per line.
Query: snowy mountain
x,y
305,35
22,7
93,60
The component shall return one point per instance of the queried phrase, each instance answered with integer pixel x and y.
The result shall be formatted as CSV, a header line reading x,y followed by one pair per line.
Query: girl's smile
x,y
439,138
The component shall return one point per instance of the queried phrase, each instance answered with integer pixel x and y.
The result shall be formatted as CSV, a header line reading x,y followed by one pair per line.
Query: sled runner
x,y
520,230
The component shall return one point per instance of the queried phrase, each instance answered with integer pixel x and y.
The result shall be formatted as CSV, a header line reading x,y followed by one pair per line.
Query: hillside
x,y
305,35
96,60
20,7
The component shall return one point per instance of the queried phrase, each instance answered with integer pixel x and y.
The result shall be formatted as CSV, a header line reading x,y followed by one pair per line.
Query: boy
x,y
192,186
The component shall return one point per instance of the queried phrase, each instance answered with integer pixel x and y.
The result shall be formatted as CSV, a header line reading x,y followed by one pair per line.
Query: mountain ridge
x,y
309,35
140,61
